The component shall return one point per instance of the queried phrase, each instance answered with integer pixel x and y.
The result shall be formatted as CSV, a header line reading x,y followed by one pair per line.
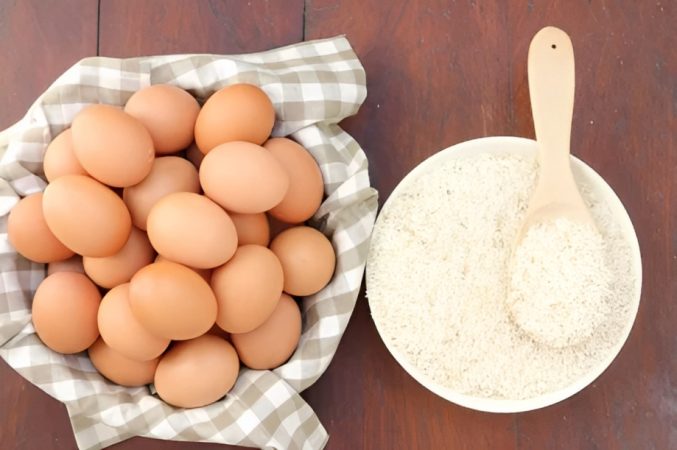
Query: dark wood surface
x,y
439,72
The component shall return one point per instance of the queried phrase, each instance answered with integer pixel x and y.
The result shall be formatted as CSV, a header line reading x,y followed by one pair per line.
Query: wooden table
x,y
439,72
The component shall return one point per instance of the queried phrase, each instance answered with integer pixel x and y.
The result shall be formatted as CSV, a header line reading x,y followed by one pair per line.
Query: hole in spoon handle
x,y
551,75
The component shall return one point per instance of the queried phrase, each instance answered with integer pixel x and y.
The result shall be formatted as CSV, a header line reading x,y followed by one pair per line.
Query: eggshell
x,y
192,230
168,113
247,288
112,146
120,369
64,312
272,343
197,372
29,234
243,178
240,112
111,271
194,155
307,258
169,174
306,187
171,301
60,158
122,332
251,228
72,264
86,216
206,274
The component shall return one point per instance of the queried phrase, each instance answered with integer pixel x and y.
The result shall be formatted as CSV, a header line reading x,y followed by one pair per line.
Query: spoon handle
x,y
551,88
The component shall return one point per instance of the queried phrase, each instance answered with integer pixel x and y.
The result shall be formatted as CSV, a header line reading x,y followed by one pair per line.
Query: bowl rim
x,y
507,145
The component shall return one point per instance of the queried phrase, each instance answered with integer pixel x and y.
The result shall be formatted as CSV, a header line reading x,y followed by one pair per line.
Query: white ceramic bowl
x,y
503,145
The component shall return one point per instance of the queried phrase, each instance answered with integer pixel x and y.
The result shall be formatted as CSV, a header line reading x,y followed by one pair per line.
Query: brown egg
x,y
243,178
241,112
206,274
122,332
197,372
120,369
64,312
168,113
192,230
307,258
194,155
112,146
72,264
171,301
169,174
306,187
247,288
111,271
86,216
271,344
29,234
60,158
251,228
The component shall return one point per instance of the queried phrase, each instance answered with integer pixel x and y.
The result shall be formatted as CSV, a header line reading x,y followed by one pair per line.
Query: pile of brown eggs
x,y
161,266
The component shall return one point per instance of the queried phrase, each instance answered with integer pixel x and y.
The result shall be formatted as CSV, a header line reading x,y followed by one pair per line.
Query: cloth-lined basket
x,y
313,86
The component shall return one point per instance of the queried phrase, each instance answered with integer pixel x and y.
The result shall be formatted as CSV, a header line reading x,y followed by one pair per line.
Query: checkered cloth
x,y
313,85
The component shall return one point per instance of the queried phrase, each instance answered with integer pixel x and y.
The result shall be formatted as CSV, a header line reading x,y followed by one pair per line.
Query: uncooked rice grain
x,y
437,282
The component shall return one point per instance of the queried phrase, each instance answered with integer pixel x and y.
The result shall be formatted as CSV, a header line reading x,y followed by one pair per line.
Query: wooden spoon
x,y
551,88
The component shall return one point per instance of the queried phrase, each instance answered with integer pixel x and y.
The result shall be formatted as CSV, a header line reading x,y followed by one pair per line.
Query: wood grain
x,y
158,27
439,72
443,72
38,41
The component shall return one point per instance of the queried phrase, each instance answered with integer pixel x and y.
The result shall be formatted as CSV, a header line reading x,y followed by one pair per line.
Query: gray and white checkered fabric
x,y
313,85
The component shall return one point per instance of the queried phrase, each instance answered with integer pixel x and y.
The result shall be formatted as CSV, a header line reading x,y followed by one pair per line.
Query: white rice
x,y
438,281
